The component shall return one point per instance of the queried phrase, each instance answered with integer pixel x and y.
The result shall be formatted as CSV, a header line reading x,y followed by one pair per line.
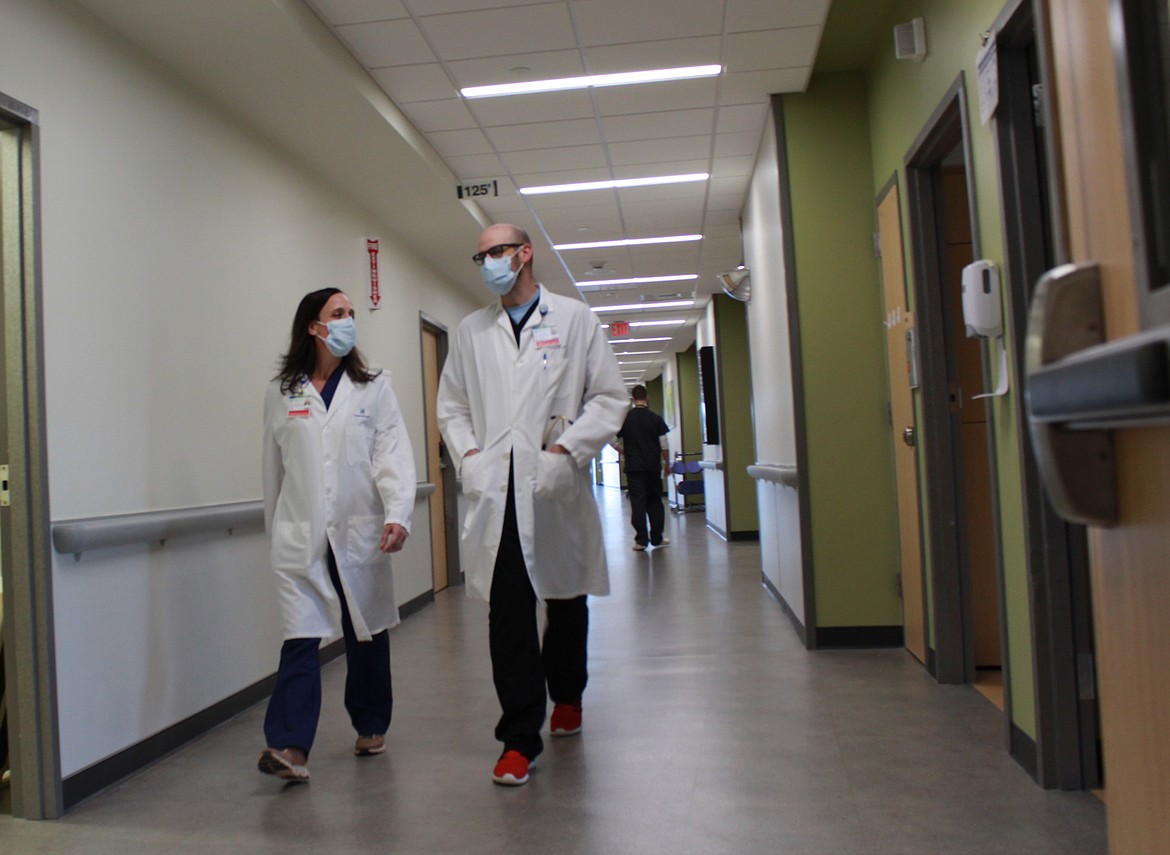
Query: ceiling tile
x,y
678,167
606,22
553,159
386,43
546,65
532,109
729,166
719,218
560,200
730,145
789,48
660,151
472,34
423,8
408,83
475,166
742,117
752,86
447,115
656,97
459,143
359,11
666,53
745,15
675,123
672,220
666,194
546,134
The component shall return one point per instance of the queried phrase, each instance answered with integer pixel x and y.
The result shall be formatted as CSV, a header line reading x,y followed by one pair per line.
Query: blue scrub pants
x,y
521,664
295,706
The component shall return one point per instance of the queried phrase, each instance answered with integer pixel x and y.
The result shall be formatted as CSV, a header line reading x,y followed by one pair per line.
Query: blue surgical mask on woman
x,y
342,336
498,274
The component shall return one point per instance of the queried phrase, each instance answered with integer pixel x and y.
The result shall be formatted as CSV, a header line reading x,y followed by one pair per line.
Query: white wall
x,y
771,364
176,245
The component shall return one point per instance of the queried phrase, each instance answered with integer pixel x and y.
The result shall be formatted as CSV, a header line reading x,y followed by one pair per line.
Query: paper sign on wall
x,y
375,291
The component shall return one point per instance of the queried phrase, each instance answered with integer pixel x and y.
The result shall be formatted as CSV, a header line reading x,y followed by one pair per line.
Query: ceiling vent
x,y
737,284
910,40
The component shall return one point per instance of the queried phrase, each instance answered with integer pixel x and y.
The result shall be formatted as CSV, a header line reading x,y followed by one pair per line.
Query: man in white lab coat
x,y
530,393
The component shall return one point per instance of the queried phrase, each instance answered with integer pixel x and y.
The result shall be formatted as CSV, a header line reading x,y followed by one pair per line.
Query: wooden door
x,y
899,325
437,501
1131,582
973,468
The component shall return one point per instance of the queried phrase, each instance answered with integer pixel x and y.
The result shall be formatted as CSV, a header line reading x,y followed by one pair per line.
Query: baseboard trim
x,y
859,636
93,779
1022,749
797,625
744,536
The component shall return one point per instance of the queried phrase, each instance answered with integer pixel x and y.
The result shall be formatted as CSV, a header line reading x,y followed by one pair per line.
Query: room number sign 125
x,y
478,188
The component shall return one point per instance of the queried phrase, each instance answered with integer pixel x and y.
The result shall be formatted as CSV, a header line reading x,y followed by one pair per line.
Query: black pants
x,y
645,490
521,665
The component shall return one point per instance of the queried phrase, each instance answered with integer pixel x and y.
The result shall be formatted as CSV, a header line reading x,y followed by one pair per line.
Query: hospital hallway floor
x,y
708,729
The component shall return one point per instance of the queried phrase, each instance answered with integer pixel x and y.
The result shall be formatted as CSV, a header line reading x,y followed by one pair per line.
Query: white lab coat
x,y
335,477
503,401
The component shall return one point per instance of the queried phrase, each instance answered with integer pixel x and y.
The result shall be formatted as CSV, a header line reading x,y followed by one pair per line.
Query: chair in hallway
x,y
684,487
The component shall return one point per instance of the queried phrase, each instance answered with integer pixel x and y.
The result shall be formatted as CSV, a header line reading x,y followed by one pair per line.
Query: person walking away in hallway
x,y
339,486
643,444
529,394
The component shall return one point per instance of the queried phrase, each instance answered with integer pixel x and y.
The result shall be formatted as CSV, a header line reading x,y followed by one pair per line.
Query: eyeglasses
x,y
495,252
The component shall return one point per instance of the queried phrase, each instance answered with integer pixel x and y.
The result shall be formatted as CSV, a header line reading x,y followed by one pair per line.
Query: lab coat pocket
x,y
363,536
359,444
289,550
471,475
556,477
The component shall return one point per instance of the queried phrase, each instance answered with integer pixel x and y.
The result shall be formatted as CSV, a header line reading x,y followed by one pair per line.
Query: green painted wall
x,y
688,404
735,397
903,95
850,472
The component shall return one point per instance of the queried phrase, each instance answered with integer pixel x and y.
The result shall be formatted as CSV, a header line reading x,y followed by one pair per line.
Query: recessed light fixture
x,y
641,280
629,242
645,307
637,340
657,323
635,362
616,183
621,78
633,352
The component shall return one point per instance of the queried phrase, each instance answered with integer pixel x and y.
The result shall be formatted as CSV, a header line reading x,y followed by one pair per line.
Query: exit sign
x,y
619,328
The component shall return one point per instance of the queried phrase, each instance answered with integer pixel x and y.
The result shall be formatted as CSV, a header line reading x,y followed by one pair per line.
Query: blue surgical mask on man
x,y
498,274
342,336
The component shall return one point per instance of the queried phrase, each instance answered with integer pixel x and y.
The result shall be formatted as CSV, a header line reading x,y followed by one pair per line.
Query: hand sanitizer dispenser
x,y
982,310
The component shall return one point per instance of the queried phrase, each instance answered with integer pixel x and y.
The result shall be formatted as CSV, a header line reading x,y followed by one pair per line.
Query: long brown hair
x,y
301,359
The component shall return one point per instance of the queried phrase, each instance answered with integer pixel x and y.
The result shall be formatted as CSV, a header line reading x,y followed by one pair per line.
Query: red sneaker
x,y
565,720
511,769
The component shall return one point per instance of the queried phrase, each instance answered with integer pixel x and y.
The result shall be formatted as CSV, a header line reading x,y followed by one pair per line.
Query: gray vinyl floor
x,y
708,729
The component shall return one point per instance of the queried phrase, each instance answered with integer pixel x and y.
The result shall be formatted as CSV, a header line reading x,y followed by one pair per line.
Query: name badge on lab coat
x,y
298,407
544,337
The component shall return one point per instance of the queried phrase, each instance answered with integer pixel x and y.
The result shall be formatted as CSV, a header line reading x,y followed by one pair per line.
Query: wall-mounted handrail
x,y
711,464
83,535
785,475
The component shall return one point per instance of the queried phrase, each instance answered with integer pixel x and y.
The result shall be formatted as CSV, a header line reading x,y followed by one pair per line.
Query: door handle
x,y
909,436
1065,326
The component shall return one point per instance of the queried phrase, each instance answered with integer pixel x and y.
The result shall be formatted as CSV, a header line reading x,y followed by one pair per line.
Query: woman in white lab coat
x,y
339,486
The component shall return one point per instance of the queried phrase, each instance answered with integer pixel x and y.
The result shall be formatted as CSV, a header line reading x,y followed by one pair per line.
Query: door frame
x,y
25,555
1065,754
952,658
450,484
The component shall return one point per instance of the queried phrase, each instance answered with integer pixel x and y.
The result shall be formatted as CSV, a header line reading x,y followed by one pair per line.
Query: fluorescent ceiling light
x,y
657,323
622,78
634,352
637,340
645,307
635,362
601,244
639,280
617,183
